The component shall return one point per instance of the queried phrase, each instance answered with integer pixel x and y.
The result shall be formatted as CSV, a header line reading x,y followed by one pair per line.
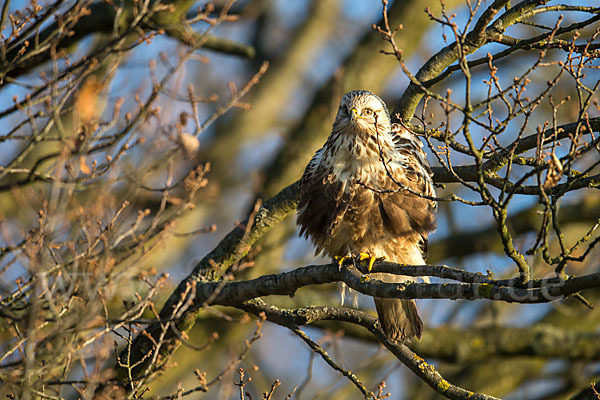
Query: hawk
x,y
367,193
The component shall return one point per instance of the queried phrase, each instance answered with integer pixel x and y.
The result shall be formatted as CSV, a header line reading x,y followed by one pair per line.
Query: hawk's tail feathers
x,y
344,289
399,319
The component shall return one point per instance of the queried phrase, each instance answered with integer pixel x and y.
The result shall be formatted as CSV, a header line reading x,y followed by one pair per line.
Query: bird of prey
x,y
367,194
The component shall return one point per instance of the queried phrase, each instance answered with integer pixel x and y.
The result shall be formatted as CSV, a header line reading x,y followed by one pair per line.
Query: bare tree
x,y
128,131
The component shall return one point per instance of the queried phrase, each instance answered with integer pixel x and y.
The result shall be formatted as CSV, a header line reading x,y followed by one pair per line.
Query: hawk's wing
x,y
323,201
405,212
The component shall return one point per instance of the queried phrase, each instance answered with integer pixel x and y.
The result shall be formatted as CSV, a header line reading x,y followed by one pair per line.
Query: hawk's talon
x,y
342,259
370,260
363,256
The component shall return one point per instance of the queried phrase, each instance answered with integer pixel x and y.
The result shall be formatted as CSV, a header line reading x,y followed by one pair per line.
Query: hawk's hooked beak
x,y
354,113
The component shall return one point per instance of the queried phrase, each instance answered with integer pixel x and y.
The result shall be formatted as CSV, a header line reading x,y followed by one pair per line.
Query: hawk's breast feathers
x,y
372,184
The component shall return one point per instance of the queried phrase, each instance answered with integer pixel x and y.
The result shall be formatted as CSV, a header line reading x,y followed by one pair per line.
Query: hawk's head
x,y
360,110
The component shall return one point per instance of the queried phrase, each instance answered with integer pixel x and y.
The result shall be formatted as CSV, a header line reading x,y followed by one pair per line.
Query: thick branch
x,y
238,242
287,283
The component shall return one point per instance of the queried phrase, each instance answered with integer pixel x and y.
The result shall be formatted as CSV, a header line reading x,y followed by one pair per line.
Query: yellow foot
x,y
342,259
363,256
371,260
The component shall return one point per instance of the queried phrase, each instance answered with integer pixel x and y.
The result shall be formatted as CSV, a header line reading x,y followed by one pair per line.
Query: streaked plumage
x,y
345,207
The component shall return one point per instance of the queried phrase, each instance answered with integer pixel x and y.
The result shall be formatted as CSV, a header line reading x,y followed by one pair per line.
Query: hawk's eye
x,y
367,111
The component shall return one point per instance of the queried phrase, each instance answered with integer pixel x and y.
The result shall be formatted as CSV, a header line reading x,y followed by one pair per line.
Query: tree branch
x,y
422,369
221,45
480,287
